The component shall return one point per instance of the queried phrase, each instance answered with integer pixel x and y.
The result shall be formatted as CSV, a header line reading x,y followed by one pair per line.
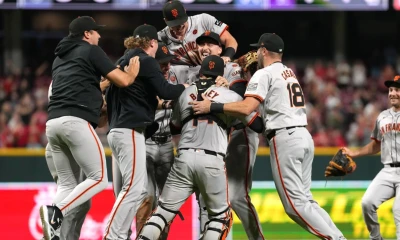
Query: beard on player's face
x,y
394,97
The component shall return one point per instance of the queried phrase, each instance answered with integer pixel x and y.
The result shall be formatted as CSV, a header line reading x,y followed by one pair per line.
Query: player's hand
x,y
349,152
133,67
186,85
226,59
221,82
104,83
201,107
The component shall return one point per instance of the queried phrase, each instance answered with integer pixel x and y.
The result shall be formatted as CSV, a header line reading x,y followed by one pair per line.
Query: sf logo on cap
x,y
174,13
396,78
206,33
164,49
211,65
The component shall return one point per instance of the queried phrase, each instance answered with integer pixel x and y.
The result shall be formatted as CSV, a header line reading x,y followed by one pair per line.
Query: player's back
x,y
204,131
283,101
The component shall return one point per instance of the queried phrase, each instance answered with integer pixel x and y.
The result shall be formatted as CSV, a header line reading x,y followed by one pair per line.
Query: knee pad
x,y
218,226
159,220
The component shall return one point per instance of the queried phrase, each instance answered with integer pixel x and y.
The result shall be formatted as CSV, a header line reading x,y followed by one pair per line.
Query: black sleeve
x,y
150,68
257,125
100,61
239,88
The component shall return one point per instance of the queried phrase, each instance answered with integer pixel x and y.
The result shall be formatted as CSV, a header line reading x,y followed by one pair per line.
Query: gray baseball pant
x,y
292,154
72,223
76,147
129,150
385,186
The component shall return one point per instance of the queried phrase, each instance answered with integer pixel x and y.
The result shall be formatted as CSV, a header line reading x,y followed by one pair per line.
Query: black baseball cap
x,y
271,41
209,35
212,66
174,13
393,83
82,24
162,54
145,31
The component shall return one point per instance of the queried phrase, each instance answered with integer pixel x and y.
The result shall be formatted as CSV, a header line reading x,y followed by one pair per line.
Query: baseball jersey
x,y
232,73
186,51
282,100
204,134
180,73
387,132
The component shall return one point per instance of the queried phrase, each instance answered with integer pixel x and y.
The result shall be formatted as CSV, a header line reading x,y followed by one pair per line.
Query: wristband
x,y
217,108
229,52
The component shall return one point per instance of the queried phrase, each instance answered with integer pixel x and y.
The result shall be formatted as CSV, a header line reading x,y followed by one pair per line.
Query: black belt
x,y
394,164
272,133
206,151
160,138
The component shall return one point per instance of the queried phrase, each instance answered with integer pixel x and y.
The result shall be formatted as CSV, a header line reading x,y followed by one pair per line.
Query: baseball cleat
x,y
51,217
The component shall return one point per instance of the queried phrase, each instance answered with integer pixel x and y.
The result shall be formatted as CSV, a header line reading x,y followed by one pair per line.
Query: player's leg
x,y
306,177
86,149
129,147
163,166
203,214
287,156
380,190
178,187
212,183
149,202
240,159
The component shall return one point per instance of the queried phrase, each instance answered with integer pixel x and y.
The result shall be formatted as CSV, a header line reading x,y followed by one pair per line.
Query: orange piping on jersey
x,y
237,81
288,198
254,96
102,170
225,29
376,140
246,183
252,120
130,184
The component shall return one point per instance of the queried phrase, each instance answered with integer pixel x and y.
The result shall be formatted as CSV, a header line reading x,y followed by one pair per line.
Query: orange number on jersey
x,y
296,95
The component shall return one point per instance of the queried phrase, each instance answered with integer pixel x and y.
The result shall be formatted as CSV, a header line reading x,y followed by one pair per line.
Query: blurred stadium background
x,y
341,50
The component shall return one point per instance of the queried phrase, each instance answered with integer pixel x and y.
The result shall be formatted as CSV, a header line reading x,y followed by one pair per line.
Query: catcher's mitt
x,y
246,60
340,165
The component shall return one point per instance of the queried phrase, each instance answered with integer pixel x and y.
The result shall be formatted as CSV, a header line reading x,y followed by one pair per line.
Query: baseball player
x,y
134,109
200,161
242,147
292,147
73,113
181,33
384,140
159,147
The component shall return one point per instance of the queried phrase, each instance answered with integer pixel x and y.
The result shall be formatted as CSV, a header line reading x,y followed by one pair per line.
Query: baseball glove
x,y
340,165
246,60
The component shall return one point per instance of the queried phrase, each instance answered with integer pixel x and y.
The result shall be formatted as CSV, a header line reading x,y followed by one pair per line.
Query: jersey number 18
x,y
295,95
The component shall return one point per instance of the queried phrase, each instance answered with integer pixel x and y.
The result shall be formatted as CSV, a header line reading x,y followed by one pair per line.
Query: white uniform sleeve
x,y
376,133
258,85
211,23
233,74
50,91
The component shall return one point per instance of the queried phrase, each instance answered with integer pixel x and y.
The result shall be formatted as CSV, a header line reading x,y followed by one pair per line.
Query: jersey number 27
x,y
296,95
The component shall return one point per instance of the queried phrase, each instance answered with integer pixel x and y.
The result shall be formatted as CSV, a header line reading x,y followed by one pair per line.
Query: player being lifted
x,y
199,165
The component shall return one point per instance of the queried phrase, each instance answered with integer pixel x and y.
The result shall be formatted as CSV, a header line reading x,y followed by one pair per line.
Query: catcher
x,y
340,165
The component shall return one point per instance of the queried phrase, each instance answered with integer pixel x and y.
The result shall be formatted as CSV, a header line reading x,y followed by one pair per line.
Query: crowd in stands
x,y
343,101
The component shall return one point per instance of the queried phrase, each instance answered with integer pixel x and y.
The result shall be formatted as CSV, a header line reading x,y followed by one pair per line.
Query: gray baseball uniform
x,y
186,50
198,166
387,182
72,224
292,148
240,159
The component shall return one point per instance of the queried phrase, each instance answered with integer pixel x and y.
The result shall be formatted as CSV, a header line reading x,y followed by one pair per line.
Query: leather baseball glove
x,y
246,60
340,165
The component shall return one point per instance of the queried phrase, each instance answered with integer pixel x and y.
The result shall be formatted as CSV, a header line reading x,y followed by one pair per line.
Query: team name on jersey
x,y
190,46
390,127
288,73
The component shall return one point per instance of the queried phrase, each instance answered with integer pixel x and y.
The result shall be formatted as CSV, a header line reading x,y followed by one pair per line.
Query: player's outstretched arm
x,y
371,148
237,109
